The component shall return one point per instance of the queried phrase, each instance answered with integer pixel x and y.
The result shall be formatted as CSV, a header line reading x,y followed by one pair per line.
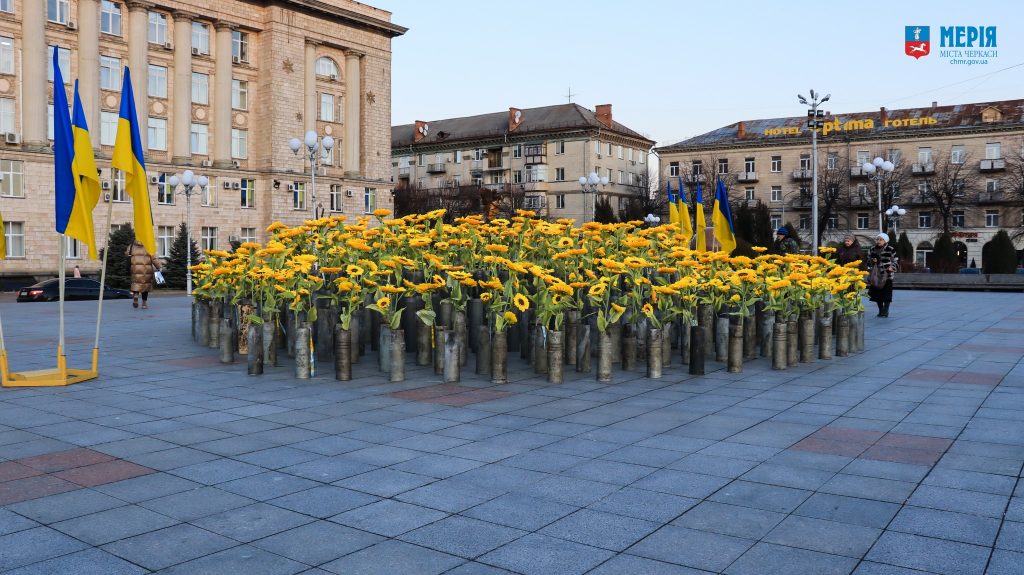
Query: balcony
x,y
694,178
477,167
991,197
534,202
923,169
746,177
920,200
858,172
404,172
992,165
535,187
437,168
493,166
752,203
802,174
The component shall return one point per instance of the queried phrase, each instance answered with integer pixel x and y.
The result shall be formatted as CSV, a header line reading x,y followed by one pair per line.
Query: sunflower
x,y
597,290
486,296
647,310
510,318
618,308
521,302
392,289
556,299
382,213
564,242
383,302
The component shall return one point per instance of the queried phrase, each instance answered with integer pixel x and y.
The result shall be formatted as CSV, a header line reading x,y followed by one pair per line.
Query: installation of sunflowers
x,y
522,270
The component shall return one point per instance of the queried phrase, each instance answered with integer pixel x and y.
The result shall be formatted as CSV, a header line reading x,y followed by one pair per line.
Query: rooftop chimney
x,y
935,104
420,131
741,130
515,118
885,116
604,114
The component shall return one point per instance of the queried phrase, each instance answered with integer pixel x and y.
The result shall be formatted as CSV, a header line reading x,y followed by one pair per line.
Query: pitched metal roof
x,y
545,119
959,116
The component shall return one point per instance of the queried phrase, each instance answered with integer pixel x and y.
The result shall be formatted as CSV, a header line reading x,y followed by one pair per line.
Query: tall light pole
x,y
895,213
312,144
589,185
188,182
878,168
814,122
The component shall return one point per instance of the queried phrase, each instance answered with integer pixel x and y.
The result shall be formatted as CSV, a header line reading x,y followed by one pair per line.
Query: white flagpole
x,y
60,275
103,287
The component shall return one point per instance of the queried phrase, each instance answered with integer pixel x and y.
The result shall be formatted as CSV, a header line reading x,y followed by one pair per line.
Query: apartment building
x,y
221,86
953,166
534,154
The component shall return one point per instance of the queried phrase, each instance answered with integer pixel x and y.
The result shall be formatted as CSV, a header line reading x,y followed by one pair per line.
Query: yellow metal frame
x,y
62,375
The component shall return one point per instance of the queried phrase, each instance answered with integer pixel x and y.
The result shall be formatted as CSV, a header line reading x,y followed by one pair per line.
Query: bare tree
x,y
952,186
457,200
833,178
1012,184
644,197
893,184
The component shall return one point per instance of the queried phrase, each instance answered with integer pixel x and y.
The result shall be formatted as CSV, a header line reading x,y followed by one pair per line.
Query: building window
x,y
369,200
200,88
517,151
7,115
748,193
832,161
157,135
957,154
248,192
108,128
6,5
993,151
58,10
208,195
118,193
457,158
991,185
991,218
862,220
200,139
610,174
239,144
629,154
749,165
560,175
298,195
327,107
723,166
833,222
924,220
622,176
248,235
201,38
862,191
776,221
327,67
895,155
63,60
12,184
805,162
14,236
110,73
6,55
673,169
164,240
157,28
110,18
805,222
477,181
698,167
239,94
240,46
958,218
776,193
517,176
923,189
559,148
618,150
776,164
209,238
559,201
164,191
157,87
337,198
863,157
924,155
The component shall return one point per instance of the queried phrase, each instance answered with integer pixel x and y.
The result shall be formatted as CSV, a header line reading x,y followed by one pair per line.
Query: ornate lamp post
x,y
652,220
589,184
188,182
814,122
878,168
310,146
895,213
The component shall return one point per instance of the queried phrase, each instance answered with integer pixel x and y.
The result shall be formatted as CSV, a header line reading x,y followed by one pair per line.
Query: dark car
x,y
74,289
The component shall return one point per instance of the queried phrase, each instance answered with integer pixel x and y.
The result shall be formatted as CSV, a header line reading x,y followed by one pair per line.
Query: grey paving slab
x,y
769,559
243,559
86,562
256,521
537,554
520,511
33,545
634,565
389,518
318,542
113,524
761,496
599,529
1005,563
825,536
731,520
166,547
324,501
12,522
644,504
462,536
63,506
692,548
196,503
268,485
393,557
927,554
852,510
963,527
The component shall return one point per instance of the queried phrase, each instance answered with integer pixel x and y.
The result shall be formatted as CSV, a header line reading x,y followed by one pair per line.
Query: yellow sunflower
x,y
486,296
383,302
521,302
510,318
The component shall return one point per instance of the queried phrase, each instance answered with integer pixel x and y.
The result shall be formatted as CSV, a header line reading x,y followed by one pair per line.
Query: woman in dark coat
x,y
142,267
850,251
883,256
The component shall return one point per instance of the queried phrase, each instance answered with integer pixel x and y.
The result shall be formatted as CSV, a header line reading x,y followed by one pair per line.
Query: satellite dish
x,y
519,116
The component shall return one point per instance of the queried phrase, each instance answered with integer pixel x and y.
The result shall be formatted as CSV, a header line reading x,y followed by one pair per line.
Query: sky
x,y
676,69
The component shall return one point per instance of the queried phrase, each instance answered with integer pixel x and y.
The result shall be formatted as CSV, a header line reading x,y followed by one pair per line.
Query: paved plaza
x,y
905,459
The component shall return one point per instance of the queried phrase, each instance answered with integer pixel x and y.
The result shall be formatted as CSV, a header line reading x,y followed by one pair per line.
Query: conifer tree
x,y
119,274
177,261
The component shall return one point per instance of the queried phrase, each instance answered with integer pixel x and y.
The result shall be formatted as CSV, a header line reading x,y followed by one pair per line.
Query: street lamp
x,y
879,168
188,182
312,144
589,185
895,213
652,220
814,122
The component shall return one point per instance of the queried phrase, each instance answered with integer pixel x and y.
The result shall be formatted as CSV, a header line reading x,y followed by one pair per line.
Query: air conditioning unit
x,y
233,239
322,172
154,179
168,46
235,164
195,51
207,163
12,138
71,25
227,185
334,77
236,60
105,185
599,156
236,186
348,193
106,198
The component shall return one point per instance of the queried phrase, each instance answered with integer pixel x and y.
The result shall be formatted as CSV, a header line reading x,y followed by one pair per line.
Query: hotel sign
x,y
855,126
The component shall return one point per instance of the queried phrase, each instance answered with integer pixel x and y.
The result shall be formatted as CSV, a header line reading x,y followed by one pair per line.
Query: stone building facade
x,y
221,86
534,154
954,165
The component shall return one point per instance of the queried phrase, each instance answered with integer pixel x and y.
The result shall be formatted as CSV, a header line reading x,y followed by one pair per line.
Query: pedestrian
x,y
783,243
884,264
142,267
77,272
850,251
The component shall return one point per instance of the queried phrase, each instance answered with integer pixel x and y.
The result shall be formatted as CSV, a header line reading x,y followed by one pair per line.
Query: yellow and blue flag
x,y
129,159
84,167
721,218
702,236
683,208
673,214
73,201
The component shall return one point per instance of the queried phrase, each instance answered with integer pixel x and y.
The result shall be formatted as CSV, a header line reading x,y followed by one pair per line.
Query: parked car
x,y
74,289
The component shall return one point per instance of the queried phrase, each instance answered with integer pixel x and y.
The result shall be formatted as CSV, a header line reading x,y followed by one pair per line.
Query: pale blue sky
x,y
673,70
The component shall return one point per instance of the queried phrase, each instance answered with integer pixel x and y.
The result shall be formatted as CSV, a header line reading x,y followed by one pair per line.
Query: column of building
x,y
222,97
182,101
89,64
138,63
309,103
353,111
33,62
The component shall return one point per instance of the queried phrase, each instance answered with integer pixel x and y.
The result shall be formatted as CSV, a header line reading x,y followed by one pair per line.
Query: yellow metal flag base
x,y
62,375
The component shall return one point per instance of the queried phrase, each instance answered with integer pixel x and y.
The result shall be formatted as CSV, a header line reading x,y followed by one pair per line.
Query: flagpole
x,y
103,285
61,358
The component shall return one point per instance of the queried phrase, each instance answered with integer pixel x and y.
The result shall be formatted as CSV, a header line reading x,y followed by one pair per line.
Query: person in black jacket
x,y
850,251
883,257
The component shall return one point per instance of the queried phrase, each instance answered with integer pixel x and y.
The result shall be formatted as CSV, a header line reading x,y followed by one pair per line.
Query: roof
x,y
327,9
546,119
903,121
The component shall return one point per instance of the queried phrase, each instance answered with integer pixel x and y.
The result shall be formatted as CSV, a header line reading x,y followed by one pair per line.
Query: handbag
x,y
876,278
159,277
